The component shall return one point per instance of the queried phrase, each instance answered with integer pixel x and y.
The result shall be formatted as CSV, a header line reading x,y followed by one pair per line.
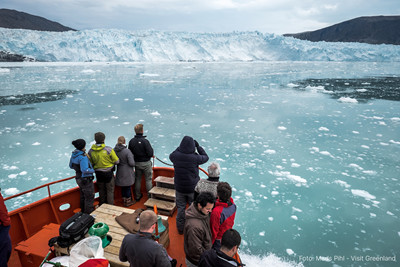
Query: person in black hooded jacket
x,y
186,166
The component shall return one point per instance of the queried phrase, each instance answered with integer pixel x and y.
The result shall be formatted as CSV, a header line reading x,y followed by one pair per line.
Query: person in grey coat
x,y
125,177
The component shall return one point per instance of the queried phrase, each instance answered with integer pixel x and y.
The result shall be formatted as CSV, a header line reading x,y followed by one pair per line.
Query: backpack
x,y
73,229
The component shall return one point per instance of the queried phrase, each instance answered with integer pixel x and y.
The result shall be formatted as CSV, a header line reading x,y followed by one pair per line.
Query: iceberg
x,y
103,45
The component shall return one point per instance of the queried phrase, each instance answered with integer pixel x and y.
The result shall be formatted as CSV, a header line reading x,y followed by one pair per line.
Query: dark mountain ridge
x,y
371,30
14,19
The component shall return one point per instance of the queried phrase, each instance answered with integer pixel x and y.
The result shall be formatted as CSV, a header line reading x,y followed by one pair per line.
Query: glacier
x,y
103,45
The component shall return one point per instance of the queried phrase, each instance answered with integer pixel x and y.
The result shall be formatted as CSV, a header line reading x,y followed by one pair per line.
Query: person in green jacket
x,y
103,159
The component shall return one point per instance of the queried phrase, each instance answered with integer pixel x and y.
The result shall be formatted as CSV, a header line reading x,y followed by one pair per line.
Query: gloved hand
x,y
173,263
196,144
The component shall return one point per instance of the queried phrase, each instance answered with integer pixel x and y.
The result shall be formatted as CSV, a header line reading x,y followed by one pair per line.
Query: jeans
x,y
181,200
126,191
5,245
86,189
106,192
140,169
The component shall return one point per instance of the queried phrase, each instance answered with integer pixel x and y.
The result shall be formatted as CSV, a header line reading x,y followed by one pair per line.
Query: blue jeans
x,y
181,199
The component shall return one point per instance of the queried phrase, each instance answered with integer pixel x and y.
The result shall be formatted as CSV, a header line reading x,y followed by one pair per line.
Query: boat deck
x,y
33,225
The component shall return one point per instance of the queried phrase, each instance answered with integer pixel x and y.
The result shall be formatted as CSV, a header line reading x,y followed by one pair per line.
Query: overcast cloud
x,y
267,16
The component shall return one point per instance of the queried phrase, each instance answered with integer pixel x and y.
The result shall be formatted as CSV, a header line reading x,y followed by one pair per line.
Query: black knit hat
x,y
79,144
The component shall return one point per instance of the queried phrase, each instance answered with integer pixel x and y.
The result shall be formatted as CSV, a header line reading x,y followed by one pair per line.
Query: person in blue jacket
x,y
186,167
84,175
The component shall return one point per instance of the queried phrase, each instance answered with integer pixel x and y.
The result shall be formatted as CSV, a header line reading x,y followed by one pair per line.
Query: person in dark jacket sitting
x,y
186,166
140,249
223,257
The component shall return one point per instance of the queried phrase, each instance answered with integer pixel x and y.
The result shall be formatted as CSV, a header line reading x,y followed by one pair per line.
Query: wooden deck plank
x,y
162,181
106,214
163,193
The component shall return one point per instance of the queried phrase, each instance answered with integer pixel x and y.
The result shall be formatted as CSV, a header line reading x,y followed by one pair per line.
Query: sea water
x,y
311,149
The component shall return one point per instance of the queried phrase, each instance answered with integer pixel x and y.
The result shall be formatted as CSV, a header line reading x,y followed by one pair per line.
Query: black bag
x,y
74,229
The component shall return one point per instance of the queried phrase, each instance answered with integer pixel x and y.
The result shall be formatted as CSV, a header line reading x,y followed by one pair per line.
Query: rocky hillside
x,y
13,19
371,30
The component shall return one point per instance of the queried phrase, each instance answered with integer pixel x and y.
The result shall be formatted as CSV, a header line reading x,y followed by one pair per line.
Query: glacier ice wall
x,y
156,46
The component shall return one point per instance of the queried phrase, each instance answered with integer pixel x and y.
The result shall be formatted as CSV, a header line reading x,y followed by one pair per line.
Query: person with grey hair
x,y
210,184
140,249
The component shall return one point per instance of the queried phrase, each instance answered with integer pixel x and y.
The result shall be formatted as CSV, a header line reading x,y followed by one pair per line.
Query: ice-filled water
x,y
312,149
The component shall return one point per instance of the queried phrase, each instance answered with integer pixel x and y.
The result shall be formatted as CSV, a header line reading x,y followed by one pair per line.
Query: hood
x,y
97,147
193,212
76,153
119,147
187,145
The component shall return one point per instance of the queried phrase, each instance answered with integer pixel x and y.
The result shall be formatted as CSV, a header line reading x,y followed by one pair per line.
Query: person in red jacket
x,y
5,241
223,214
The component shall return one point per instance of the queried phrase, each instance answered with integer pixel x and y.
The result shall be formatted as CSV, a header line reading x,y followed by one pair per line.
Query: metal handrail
x,y
39,187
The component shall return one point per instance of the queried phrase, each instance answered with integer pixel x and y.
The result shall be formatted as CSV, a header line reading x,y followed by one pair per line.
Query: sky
x,y
266,16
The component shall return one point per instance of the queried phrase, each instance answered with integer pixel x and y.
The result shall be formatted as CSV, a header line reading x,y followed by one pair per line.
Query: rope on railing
x,y
173,165
164,162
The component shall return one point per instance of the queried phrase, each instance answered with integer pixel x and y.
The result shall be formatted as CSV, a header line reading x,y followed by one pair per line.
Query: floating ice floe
x,y
326,153
282,128
245,145
11,191
30,124
395,119
248,194
274,193
347,100
294,217
362,90
10,168
292,85
370,172
270,219
295,165
261,233
289,251
23,173
4,70
88,71
394,142
323,129
270,151
139,99
161,82
149,74
362,193
355,166
155,113
296,209
342,183
205,126
365,146
12,176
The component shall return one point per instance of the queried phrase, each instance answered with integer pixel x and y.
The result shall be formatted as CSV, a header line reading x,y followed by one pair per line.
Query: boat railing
x,y
168,164
40,187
